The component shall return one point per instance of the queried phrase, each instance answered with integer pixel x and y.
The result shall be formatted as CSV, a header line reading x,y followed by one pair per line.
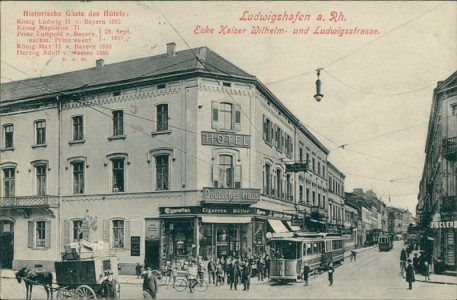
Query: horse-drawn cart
x,y
80,274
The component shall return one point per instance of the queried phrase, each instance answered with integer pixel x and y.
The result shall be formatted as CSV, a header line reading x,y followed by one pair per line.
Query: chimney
x,y
171,49
99,63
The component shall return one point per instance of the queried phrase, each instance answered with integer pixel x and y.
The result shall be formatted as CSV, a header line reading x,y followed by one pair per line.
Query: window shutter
x,y
265,130
66,231
127,234
238,176
273,132
237,117
106,230
47,241
282,141
86,234
215,175
30,236
214,114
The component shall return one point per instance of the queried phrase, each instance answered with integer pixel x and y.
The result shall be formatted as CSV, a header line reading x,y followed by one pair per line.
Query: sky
x,y
377,88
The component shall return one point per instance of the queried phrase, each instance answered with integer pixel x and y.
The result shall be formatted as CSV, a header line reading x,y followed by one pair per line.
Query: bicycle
x,y
182,284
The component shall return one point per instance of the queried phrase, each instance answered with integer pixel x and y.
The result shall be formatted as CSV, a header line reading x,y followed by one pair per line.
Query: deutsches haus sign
x,y
231,195
226,139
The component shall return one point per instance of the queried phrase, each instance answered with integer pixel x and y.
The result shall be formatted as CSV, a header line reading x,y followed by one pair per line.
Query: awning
x,y
277,226
228,220
294,228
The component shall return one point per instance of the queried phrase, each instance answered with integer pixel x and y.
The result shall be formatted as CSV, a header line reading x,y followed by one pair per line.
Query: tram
x,y
290,253
385,242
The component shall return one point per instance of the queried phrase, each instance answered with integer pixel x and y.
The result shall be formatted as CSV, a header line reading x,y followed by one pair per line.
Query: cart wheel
x,y
118,290
64,293
85,292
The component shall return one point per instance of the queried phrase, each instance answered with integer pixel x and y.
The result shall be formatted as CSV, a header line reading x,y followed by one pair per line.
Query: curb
x,y
436,282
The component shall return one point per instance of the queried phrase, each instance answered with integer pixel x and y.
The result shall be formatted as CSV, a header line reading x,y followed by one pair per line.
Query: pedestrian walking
x,y
246,275
108,288
330,271
260,268
200,271
403,257
192,276
235,274
426,270
150,284
306,271
229,272
410,274
416,263
211,271
138,270
353,255
219,274
267,266
173,273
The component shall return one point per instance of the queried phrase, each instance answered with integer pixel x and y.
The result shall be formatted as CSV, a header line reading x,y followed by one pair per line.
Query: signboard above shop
x,y
226,139
230,196
297,167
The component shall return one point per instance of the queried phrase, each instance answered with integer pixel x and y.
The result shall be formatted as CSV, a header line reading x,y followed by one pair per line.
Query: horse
x,y
33,276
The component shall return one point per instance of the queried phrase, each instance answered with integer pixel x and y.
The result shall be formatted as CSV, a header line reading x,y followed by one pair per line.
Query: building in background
x,y
437,200
335,199
164,157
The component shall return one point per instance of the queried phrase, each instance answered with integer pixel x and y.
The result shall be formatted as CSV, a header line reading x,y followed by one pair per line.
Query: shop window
x,y
8,133
9,182
206,241
39,234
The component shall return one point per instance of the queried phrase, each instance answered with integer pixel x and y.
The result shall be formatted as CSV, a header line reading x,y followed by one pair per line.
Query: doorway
x,y
6,244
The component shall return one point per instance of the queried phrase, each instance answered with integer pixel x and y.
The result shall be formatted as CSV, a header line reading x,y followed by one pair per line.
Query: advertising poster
x,y
290,149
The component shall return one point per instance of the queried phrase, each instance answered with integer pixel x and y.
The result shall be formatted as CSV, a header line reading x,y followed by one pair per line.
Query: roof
x,y
152,66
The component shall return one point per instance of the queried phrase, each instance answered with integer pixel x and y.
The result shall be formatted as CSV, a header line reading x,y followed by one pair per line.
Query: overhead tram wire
x,y
379,158
360,48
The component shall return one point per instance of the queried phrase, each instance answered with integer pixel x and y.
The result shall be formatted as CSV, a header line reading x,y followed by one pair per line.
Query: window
x,y
77,230
314,165
8,131
9,182
300,156
308,200
314,198
318,168
118,174
41,180
78,177
278,138
40,134
78,132
118,233
279,192
162,172
289,146
454,110
40,240
300,193
267,185
267,130
288,188
225,116
118,122
226,174
162,117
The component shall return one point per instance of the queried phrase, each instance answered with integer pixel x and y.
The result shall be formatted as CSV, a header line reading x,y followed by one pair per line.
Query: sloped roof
x,y
153,66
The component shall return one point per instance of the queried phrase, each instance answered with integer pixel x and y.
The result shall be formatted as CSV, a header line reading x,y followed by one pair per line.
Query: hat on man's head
x,y
148,269
409,260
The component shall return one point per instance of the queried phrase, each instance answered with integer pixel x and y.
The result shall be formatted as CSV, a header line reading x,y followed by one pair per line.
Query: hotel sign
x,y
226,139
234,196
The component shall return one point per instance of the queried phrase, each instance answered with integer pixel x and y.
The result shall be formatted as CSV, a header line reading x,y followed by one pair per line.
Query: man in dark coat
x,y
246,275
108,287
403,257
306,271
235,274
150,284
410,274
416,263
211,271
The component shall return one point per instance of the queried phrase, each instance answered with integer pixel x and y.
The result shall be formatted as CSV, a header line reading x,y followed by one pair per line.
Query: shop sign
x,y
226,139
444,224
222,210
231,195
135,242
297,167
152,229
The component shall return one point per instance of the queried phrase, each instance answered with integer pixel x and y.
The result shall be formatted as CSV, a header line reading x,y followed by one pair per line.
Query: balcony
x,y
449,149
25,204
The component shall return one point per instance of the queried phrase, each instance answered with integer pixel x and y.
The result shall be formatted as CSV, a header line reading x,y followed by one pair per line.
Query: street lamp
x,y
318,95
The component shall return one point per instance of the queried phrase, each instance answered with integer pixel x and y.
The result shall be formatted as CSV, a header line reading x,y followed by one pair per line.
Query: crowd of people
x,y
420,263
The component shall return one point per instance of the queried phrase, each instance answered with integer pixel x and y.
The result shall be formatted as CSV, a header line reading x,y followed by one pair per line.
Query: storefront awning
x,y
277,226
228,220
294,228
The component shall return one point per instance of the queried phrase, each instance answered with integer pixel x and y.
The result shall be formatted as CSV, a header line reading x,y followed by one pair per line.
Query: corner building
x,y
164,157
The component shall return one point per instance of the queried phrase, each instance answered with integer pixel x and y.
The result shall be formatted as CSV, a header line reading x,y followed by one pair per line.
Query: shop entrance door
x,y
6,244
152,254
228,240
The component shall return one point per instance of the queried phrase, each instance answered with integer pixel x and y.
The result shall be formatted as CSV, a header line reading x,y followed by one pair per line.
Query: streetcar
x,y
385,242
291,253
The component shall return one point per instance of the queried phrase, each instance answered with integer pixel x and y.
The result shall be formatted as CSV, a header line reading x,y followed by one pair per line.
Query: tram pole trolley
x,y
81,276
